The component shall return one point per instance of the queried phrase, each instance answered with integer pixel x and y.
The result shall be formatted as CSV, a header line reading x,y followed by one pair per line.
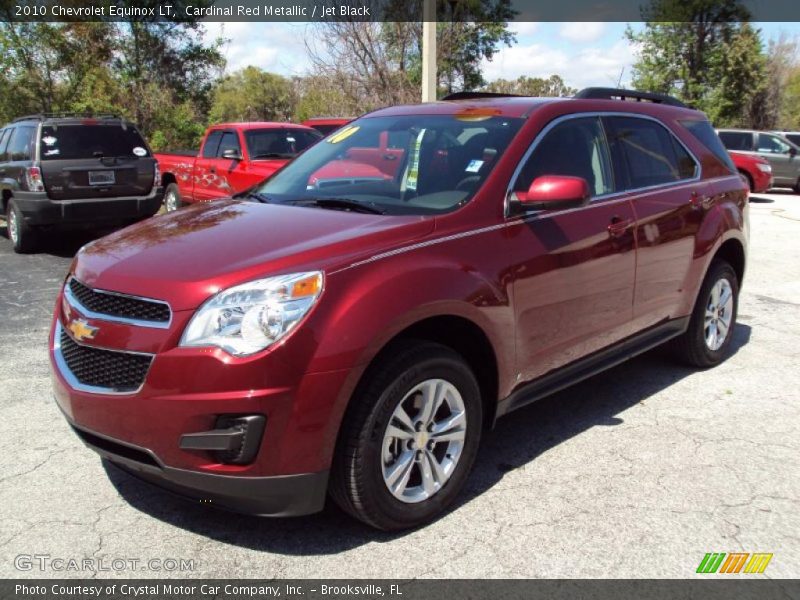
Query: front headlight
x,y
248,318
764,168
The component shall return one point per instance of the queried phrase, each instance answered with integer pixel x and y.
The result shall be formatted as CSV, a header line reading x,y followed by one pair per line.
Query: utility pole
x,y
429,50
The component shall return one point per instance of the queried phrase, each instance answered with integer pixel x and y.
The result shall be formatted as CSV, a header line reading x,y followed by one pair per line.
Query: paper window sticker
x,y
49,140
474,166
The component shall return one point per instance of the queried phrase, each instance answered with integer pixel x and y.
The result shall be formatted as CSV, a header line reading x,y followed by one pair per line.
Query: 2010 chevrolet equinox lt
x,y
354,324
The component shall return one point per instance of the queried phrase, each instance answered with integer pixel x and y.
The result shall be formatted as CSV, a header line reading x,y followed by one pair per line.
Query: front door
x,y
574,273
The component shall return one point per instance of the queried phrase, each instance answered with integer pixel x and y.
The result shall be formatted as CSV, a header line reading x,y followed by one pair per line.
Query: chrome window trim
x,y
698,172
72,381
74,302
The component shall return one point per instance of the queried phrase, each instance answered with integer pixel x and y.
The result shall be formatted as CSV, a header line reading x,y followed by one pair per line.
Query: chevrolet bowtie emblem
x,y
81,330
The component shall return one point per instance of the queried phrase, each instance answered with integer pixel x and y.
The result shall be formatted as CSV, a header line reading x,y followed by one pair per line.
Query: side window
x,y
19,147
704,133
737,140
4,135
772,144
575,147
212,143
229,141
647,153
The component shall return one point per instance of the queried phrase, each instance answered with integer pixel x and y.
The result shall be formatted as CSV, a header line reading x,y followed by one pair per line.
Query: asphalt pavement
x,y
637,472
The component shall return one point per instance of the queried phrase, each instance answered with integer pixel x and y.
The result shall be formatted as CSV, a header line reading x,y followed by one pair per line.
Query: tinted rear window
x,y
21,143
737,140
706,135
65,142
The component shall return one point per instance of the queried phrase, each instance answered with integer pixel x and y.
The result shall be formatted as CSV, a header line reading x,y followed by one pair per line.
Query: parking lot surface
x,y
637,472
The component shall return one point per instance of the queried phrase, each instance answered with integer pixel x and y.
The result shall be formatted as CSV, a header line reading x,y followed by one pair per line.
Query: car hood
x,y
186,256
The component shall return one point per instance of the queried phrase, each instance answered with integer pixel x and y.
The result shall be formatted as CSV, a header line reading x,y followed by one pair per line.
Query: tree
x,y
772,106
704,52
253,95
375,64
553,86
790,114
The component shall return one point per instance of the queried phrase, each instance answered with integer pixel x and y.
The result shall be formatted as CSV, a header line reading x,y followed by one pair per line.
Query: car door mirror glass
x,y
232,154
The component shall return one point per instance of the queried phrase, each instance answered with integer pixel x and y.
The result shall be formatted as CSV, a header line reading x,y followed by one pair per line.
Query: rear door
x,y
662,179
785,163
90,159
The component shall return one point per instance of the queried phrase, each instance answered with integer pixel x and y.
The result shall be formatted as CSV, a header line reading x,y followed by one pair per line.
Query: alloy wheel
x,y
424,441
719,314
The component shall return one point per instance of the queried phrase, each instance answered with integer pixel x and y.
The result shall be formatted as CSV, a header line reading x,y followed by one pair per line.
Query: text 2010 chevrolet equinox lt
x,y
353,325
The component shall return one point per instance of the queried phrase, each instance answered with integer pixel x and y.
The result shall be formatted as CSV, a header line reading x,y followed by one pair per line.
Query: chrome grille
x,y
118,306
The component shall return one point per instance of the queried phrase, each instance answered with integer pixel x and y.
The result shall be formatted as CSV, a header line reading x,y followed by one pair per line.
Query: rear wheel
x,y
705,343
172,198
22,235
408,442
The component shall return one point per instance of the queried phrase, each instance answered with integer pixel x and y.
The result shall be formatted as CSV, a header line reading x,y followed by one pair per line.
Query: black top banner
x,y
389,10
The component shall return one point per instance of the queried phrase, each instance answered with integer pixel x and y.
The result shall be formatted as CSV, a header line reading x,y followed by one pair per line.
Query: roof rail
x,y
476,95
66,115
602,93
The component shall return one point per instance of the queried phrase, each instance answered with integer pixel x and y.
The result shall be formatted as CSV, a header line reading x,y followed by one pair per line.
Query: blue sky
x,y
584,54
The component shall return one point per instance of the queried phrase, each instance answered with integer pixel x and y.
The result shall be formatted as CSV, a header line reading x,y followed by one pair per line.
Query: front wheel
x,y
705,343
410,438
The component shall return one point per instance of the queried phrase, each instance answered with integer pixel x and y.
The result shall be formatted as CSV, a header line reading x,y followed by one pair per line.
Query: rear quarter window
x,y
20,146
737,140
704,133
80,141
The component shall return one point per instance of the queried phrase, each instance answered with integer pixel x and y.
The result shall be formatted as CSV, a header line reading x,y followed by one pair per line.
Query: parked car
x,y
327,125
756,170
358,339
66,170
232,158
792,136
780,152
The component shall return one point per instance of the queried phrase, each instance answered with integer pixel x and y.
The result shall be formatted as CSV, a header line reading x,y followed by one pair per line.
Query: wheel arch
x,y
168,178
732,252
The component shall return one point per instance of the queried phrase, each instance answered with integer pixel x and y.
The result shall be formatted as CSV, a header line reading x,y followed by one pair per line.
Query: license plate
x,y
101,177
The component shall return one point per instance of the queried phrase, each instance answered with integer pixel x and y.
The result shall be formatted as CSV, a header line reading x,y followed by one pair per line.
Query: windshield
x,y
279,143
61,142
416,164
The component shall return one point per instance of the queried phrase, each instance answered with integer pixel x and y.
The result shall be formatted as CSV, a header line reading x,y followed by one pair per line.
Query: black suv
x,y
74,171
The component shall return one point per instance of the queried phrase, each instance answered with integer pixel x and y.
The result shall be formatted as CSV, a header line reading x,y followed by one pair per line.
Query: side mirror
x,y
232,154
792,151
551,192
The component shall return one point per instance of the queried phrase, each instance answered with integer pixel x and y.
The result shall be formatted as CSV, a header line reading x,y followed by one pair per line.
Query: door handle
x,y
390,157
213,170
618,226
698,201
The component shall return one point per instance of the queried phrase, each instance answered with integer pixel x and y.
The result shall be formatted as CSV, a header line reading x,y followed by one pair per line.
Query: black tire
x,y
172,198
691,347
749,179
23,237
357,481
797,186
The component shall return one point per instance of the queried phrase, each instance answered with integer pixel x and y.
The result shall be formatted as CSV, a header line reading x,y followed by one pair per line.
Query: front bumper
x,y
38,209
276,496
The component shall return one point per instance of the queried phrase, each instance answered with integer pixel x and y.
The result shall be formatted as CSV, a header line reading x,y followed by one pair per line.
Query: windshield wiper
x,y
258,196
341,204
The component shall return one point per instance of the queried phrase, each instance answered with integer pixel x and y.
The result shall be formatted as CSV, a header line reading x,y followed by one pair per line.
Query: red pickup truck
x,y
232,158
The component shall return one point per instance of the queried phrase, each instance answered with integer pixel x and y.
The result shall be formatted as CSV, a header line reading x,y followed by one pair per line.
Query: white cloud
x,y
522,28
275,47
592,66
582,31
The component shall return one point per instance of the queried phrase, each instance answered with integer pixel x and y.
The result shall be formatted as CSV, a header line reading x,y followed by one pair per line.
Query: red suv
x,y
356,338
